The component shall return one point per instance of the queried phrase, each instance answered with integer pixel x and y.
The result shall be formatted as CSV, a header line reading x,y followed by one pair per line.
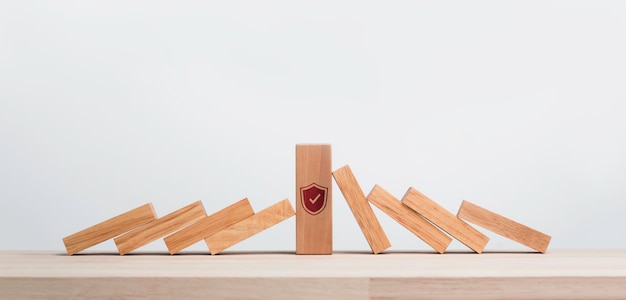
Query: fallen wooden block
x,y
504,226
408,218
250,226
361,209
445,220
160,227
314,219
109,229
208,226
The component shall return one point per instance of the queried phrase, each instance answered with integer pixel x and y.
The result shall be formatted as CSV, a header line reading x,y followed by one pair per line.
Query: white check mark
x,y
315,200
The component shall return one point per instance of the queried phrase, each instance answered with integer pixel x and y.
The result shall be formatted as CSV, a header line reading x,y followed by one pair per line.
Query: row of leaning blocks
x,y
422,216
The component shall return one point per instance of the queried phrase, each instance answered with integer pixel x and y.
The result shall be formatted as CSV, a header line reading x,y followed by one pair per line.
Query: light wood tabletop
x,y
558,274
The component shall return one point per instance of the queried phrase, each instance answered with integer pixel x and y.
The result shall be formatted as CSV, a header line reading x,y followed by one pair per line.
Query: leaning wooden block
x,y
445,220
314,217
361,209
408,218
208,226
250,226
109,229
504,226
160,227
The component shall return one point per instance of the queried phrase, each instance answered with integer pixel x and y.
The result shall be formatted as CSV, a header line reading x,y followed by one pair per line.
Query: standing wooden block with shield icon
x,y
314,223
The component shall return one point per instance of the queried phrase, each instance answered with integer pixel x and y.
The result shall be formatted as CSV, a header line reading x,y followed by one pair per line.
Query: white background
x,y
517,106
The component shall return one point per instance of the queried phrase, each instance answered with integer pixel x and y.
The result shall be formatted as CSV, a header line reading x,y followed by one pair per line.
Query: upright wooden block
x,y
408,218
314,219
504,226
109,229
160,227
250,226
208,226
361,209
445,220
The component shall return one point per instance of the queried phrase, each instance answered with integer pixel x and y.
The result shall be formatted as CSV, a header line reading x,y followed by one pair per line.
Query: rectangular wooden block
x,y
250,226
361,209
445,220
208,226
314,219
504,226
408,218
109,229
160,227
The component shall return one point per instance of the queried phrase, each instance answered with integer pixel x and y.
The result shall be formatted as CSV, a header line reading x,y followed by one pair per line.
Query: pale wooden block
x,y
408,218
109,229
314,222
445,220
361,209
504,226
250,226
160,227
208,226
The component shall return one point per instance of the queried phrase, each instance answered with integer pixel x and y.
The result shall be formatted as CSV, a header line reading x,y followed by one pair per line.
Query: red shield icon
x,y
313,198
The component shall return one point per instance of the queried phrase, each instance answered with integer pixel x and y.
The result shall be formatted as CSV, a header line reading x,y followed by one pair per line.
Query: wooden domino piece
x,y
109,229
445,220
208,226
314,219
361,209
408,218
250,226
160,227
504,226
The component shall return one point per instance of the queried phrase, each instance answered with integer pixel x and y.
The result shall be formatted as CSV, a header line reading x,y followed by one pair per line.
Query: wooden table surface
x,y
343,275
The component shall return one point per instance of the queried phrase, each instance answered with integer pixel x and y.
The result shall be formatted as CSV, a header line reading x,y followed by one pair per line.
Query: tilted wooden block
x,y
314,218
361,209
408,218
208,226
504,226
445,220
250,226
160,227
109,229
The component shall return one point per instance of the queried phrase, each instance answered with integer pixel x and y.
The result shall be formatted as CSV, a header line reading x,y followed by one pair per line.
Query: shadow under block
x,y
408,218
504,226
361,209
314,219
208,226
160,227
250,226
109,229
445,220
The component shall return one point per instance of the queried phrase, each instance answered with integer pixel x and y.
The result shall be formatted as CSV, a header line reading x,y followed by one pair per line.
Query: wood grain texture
x,y
208,226
504,226
445,220
557,274
160,227
250,226
408,218
314,227
361,209
109,229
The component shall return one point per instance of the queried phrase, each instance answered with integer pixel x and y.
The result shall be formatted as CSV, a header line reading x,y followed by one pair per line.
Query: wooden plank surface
x,y
250,226
208,226
361,209
408,218
314,218
109,229
504,226
445,220
558,274
160,227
